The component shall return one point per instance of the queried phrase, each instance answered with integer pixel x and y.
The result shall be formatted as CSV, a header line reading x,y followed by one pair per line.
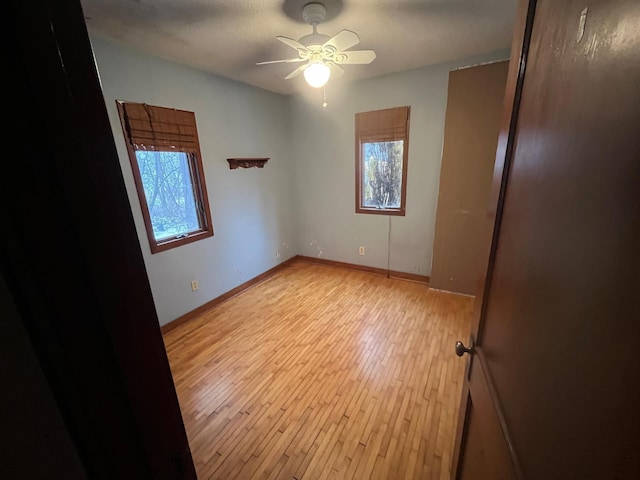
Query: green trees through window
x,y
382,174
168,189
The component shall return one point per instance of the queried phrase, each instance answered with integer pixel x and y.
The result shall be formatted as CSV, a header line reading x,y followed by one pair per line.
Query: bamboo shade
x,y
159,128
383,125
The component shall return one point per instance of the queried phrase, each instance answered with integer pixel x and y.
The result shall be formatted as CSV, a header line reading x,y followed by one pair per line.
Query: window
x,y
167,167
382,147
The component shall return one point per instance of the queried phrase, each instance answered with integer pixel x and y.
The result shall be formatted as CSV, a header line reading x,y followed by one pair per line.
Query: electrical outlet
x,y
194,285
361,250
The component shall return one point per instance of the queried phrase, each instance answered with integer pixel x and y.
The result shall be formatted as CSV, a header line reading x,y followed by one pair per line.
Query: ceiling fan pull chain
x,y
324,96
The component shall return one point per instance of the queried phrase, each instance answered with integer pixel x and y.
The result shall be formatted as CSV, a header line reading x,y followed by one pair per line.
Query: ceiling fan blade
x,y
343,40
356,56
288,60
292,43
296,72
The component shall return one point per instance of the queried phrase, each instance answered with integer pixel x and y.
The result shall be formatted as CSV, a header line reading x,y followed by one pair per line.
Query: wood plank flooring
x,y
323,372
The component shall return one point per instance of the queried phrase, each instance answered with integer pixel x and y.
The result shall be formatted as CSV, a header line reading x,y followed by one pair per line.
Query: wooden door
x,y
553,389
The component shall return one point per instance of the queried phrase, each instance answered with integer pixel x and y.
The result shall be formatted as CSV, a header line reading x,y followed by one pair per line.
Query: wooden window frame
x,y
386,125
191,148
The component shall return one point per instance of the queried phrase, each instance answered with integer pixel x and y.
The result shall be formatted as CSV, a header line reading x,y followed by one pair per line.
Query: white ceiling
x,y
228,37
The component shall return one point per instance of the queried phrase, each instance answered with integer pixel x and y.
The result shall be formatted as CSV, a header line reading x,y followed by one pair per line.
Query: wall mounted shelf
x,y
246,162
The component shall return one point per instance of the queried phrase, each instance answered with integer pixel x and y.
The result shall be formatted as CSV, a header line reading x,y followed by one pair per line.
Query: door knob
x,y
461,349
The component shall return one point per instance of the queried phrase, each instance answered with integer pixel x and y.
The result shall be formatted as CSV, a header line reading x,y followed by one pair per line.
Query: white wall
x,y
324,159
251,208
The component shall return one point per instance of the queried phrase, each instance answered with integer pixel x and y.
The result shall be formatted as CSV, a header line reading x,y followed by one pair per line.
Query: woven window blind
x,y
159,128
383,125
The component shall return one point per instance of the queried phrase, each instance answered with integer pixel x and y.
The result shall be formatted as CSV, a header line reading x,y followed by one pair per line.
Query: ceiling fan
x,y
322,55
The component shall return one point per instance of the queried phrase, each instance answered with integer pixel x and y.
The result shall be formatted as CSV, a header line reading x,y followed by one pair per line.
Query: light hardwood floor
x,y
323,372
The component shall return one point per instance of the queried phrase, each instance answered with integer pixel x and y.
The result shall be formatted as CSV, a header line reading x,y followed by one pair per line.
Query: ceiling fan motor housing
x,y
314,39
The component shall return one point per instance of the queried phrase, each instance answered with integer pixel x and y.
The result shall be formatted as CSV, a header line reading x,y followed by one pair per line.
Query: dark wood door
x,y
553,383
75,293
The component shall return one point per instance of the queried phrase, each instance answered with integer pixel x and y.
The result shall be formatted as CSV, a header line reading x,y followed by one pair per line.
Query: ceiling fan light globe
x,y
317,74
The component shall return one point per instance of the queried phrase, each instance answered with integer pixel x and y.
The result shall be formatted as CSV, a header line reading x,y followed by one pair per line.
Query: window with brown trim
x,y
382,149
165,158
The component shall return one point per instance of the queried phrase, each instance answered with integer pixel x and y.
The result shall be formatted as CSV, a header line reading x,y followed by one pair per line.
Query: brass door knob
x,y
461,349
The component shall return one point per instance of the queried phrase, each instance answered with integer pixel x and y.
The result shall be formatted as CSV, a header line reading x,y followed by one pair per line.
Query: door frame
x,y
72,260
523,27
